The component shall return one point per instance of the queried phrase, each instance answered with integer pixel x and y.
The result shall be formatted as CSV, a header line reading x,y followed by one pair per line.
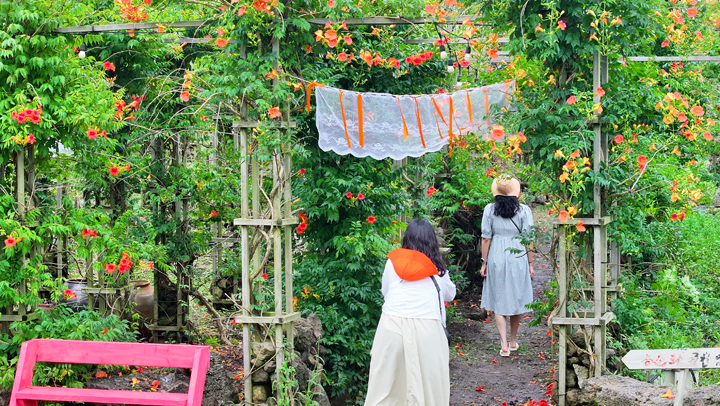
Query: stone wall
x,y
617,390
307,360
579,362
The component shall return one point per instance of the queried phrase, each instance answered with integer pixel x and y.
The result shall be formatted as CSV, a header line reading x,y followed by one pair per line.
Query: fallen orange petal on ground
x,y
668,394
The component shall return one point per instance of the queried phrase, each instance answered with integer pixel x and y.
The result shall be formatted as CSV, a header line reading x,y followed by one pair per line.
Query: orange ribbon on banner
x,y
438,126
469,105
487,105
405,129
452,113
342,110
417,113
360,121
310,87
437,108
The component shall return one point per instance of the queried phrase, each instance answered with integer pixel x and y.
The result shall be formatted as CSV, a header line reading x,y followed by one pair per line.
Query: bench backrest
x,y
195,357
113,353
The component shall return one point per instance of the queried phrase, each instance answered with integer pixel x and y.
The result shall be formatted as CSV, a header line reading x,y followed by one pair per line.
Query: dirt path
x,y
516,380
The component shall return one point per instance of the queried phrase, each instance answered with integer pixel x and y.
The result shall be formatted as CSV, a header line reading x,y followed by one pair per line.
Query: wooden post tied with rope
x,y
194,357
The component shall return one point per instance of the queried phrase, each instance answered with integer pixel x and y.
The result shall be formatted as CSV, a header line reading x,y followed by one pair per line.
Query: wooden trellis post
x,y
602,286
281,224
61,241
598,317
162,320
20,173
25,181
9,315
218,232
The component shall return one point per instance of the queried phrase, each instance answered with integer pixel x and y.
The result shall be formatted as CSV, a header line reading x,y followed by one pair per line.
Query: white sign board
x,y
685,358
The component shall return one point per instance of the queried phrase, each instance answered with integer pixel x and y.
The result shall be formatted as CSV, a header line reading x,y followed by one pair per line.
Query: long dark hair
x,y
506,206
420,236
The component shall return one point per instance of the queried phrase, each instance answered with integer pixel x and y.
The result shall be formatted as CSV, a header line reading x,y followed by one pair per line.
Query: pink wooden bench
x,y
109,353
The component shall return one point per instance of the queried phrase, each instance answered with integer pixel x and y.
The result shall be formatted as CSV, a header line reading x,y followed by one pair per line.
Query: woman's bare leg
x,y
502,329
514,326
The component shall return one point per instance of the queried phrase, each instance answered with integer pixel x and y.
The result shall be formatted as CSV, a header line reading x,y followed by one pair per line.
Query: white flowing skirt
x,y
409,363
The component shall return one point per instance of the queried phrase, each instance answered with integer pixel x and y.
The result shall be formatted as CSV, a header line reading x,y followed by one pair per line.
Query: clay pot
x,y
81,299
144,299
46,306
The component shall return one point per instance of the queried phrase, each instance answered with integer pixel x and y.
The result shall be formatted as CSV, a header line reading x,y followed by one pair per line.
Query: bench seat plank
x,y
103,396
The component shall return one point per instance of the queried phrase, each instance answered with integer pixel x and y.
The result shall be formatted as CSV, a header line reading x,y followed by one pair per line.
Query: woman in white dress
x,y
410,356
506,265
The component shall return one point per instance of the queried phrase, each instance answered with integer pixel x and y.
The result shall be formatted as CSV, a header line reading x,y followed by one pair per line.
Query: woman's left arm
x,y
484,251
385,277
487,233
530,254
449,289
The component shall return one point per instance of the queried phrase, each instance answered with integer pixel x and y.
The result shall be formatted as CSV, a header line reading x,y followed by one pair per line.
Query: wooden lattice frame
x,y
9,314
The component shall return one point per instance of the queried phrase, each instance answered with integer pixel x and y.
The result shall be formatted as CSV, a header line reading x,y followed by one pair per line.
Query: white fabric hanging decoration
x,y
383,125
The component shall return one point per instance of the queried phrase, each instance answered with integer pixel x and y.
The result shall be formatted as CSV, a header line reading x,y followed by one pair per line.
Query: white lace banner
x,y
383,125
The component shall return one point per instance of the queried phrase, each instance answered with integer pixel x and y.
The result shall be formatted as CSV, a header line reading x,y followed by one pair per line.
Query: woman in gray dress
x,y
506,264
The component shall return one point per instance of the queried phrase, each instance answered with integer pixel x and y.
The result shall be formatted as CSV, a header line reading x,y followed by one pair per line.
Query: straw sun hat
x,y
506,187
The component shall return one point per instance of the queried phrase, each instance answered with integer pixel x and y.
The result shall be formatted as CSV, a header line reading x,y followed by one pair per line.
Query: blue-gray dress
x,y
507,289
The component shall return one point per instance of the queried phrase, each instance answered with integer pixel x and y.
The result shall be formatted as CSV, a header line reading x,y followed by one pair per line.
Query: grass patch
x,y
677,305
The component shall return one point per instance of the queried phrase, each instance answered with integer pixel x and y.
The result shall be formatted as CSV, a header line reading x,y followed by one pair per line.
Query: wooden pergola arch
x,y
605,257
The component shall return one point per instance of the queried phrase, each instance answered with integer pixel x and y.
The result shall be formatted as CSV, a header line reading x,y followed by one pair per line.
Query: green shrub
x,y
339,276
60,323
678,306
696,252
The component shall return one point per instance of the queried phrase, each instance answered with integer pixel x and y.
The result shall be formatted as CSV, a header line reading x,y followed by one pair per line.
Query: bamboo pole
x,y
244,242
278,262
158,159
598,270
236,148
30,169
287,181
60,240
602,283
22,288
277,231
156,307
614,270
20,178
184,308
597,145
600,243
255,166
256,205
214,231
245,264
562,300
177,145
